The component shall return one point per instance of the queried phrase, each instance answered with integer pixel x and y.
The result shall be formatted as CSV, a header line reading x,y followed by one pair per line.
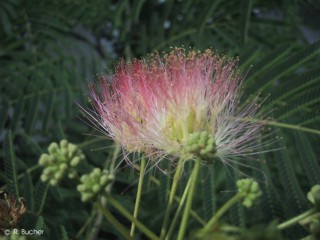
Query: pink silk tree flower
x,y
182,105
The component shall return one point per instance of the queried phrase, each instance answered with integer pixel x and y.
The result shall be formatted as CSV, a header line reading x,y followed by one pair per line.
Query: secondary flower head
x,y
182,105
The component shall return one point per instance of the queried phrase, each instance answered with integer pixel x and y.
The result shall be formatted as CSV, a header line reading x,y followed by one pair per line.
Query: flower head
x,y
182,105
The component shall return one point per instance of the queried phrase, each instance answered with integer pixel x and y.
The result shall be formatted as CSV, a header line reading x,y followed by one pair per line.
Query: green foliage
x,y
10,164
50,49
40,195
308,158
208,193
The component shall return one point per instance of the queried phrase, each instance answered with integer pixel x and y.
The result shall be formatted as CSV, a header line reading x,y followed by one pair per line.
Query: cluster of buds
x,y
94,183
201,144
249,190
61,160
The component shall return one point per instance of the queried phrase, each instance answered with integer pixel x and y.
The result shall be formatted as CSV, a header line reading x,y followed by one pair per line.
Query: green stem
x,y
117,149
194,177
103,201
296,219
89,142
129,216
231,229
196,216
177,199
181,203
218,214
87,223
172,194
138,198
121,229
281,125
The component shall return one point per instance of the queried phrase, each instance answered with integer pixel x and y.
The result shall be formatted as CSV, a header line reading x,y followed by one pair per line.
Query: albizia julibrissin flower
x,y
182,105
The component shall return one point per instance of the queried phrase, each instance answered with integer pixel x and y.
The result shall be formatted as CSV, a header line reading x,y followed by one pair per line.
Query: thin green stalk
x,y
129,216
231,229
89,142
172,194
103,201
186,213
219,213
296,219
196,216
281,125
138,198
121,229
180,206
87,223
177,199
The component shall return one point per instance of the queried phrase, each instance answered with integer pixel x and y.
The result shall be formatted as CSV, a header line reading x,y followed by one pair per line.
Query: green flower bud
x,y
72,149
81,188
89,182
44,159
48,171
72,174
203,138
53,182
192,148
58,175
52,159
82,156
96,172
63,166
75,161
53,148
111,177
44,178
65,153
64,143
249,190
104,179
84,178
85,197
314,196
247,202
96,188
